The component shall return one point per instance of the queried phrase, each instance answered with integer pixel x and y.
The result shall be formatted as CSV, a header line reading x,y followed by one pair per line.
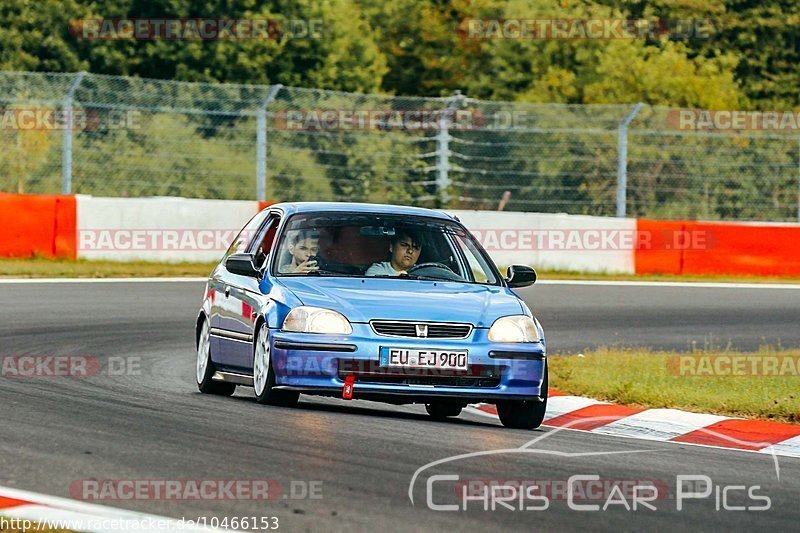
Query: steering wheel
x,y
439,270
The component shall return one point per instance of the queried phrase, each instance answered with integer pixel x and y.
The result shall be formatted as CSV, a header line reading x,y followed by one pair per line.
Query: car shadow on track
x,y
372,409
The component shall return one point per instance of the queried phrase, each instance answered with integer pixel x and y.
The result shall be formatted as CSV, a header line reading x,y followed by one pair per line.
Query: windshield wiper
x,y
329,273
427,278
320,273
408,276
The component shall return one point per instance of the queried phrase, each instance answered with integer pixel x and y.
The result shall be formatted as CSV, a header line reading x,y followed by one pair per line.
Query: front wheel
x,y
204,368
524,414
264,374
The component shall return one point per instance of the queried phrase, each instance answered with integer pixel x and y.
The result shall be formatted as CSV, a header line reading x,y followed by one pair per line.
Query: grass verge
x,y
62,268
669,380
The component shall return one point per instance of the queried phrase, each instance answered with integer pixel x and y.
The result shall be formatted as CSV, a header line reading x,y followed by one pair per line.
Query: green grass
x,y
652,379
61,268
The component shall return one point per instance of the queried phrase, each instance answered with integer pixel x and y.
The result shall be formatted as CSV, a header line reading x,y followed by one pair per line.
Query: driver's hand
x,y
309,265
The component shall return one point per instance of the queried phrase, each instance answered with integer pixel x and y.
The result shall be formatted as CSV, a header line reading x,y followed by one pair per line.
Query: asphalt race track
x,y
152,424
664,317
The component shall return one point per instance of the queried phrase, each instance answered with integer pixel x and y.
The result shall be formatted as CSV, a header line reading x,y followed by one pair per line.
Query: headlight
x,y
518,328
306,319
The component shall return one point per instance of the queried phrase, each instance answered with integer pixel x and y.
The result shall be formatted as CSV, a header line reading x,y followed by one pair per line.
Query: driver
x,y
303,248
404,250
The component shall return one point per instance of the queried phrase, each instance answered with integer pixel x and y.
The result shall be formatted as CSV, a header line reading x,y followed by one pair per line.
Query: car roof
x,y
290,208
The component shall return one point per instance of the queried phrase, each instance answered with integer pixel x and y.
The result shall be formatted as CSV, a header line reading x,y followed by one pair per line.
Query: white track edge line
x,y
23,281
682,284
664,284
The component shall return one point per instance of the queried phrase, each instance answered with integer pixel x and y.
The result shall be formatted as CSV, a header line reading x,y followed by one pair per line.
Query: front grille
x,y
484,376
429,330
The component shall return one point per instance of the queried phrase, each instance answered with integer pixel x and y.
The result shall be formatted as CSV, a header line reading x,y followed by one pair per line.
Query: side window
x,y
265,240
245,236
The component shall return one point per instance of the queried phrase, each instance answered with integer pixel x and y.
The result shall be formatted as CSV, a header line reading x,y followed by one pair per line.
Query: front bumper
x,y
318,364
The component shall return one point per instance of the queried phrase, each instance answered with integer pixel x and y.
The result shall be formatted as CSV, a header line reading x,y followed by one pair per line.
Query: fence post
x,y
622,160
261,143
443,157
66,145
443,148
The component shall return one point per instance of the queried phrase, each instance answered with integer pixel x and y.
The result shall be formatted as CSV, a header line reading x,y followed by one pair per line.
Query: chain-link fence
x,y
121,136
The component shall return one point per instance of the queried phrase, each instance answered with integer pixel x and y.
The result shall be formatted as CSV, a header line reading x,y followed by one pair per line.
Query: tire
x,y
524,414
204,367
442,410
264,375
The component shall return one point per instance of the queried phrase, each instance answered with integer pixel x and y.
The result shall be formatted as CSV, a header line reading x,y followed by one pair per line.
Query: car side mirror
x,y
243,265
520,276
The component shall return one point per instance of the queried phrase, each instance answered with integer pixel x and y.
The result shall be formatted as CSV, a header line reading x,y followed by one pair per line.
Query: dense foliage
x,y
746,58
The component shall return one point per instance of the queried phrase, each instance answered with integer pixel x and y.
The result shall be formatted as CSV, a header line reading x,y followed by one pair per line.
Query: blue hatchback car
x,y
376,302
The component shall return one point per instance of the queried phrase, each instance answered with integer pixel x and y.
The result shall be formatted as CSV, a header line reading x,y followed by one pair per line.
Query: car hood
x,y
365,299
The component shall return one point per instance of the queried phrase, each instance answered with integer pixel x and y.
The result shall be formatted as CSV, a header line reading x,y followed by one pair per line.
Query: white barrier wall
x,y
194,230
159,229
555,241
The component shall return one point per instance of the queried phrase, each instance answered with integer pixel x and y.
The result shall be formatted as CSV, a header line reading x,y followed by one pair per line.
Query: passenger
x,y
303,247
404,250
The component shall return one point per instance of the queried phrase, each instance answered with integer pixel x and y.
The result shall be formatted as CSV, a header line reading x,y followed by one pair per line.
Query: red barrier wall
x,y
653,253
38,224
47,225
688,247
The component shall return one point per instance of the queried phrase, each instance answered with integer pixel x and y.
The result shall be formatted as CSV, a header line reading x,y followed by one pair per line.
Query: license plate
x,y
413,358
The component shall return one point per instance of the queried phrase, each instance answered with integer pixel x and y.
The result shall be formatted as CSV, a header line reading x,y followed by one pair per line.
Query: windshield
x,y
373,245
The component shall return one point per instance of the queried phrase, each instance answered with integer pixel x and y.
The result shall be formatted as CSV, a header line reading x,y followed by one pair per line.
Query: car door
x,y
226,312
241,300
